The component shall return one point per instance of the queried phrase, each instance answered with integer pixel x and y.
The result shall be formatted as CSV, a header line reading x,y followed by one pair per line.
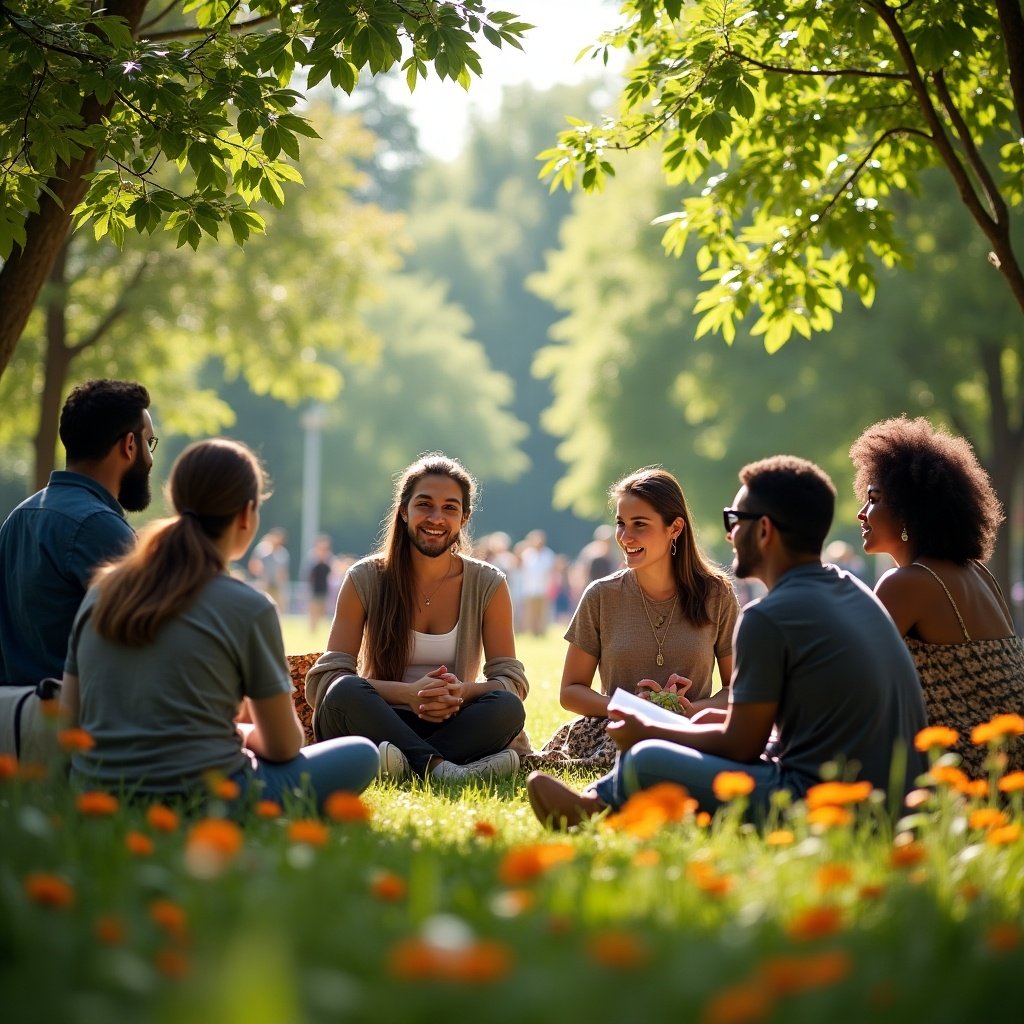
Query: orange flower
x,y
308,831
476,963
646,858
484,829
789,975
730,785
815,923
707,879
172,963
1003,938
829,816
139,844
8,766
341,806
987,818
907,855
212,844
110,930
643,814
169,916
223,789
830,876
947,775
1012,782
1004,836
50,709
96,804
75,741
525,863
703,819
269,809
780,837
746,1003
388,886
936,736
618,949
997,728
871,891
970,892
163,819
837,794
978,788
49,890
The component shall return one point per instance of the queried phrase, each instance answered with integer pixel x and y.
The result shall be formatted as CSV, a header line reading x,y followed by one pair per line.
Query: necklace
x,y
444,579
661,620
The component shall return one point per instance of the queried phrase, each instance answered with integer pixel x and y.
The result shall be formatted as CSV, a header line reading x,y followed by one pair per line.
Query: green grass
x,y
702,922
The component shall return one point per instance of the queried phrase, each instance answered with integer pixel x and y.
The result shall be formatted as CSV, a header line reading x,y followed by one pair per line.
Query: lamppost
x,y
313,421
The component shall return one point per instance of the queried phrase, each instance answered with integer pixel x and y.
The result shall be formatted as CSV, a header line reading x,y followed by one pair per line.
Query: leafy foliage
x,y
802,122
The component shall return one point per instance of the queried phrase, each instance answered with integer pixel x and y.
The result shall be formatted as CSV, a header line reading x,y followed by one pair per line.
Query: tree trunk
x,y
27,269
55,370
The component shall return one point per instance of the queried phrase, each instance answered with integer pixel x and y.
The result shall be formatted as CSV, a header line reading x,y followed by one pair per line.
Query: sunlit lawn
x,y
454,904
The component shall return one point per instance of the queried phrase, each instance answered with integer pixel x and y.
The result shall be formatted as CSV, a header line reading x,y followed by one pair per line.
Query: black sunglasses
x,y
731,518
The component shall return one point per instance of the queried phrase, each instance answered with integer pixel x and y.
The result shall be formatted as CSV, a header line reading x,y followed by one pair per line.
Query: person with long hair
x,y
661,623
411,624
930,506
167,648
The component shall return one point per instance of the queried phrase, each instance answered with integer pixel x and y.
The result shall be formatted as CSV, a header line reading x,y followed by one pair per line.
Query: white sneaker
x,y
499,765
393,763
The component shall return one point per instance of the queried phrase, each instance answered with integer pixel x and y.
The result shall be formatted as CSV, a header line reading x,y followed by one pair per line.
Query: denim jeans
x,y
653,761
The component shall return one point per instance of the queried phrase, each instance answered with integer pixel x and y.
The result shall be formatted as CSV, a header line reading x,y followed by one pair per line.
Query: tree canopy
x,y
97,100
802,122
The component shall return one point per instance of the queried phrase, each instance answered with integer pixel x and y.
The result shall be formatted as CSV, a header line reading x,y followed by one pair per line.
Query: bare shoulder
x,y
903,591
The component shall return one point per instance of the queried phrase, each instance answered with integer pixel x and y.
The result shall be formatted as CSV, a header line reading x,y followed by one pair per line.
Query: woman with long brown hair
x,y
167,647
661,623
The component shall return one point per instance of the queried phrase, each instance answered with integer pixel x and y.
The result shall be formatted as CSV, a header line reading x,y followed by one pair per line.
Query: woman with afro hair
x,y
930,506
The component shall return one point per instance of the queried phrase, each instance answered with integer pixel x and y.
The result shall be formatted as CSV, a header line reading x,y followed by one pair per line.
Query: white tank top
x,y
430,650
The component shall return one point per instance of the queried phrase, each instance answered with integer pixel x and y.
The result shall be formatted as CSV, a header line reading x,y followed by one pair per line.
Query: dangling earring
x,y
673,547
903,535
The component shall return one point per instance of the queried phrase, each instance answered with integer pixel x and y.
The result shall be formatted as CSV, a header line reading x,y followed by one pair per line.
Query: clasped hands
x,y
437,695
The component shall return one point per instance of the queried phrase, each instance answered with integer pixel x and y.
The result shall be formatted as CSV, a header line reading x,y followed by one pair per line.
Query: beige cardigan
x,y
480,581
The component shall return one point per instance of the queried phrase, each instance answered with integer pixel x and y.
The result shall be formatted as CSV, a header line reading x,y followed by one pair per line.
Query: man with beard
x,y
52,542
413,622
819,669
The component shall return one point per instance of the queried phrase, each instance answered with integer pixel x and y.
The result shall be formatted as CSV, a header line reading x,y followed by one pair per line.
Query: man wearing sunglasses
x,y
51,544
820,673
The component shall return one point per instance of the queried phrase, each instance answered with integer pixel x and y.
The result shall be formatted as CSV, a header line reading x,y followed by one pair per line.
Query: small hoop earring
x,y
673,547
903,536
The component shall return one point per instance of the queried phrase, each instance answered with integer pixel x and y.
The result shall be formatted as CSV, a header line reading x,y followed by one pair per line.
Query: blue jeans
x,y
352,707
652,761
349,763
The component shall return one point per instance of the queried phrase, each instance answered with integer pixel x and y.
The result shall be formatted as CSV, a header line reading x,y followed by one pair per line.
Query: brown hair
x,y
210,483
695,577
389,626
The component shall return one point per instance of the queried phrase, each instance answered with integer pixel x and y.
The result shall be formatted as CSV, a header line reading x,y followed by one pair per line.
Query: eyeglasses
x,y
731,518
152,443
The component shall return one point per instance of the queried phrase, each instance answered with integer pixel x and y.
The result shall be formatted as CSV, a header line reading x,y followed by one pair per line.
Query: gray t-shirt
x,y
823,647
162,714
611,625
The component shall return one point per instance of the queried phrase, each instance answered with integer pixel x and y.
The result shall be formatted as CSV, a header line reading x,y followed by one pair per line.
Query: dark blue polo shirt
x,y
49,547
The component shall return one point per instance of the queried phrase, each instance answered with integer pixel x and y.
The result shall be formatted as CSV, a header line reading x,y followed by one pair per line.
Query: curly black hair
x,y
933,483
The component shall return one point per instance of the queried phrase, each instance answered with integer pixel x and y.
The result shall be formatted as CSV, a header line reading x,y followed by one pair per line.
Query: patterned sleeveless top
x,y
965,684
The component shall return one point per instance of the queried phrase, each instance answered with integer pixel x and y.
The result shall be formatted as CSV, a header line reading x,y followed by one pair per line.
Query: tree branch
x,y
781,69
15,23
115,313
194,33
995,199
157,18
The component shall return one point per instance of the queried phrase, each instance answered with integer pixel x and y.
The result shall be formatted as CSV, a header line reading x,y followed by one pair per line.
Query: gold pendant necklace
x,y
661,619
444,579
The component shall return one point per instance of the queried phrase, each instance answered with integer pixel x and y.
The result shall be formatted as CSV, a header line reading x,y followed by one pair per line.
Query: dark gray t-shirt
x,y
823,647
163,714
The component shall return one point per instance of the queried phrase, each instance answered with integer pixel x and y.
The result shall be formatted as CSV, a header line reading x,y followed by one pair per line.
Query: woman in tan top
x,y
661,623
931,506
